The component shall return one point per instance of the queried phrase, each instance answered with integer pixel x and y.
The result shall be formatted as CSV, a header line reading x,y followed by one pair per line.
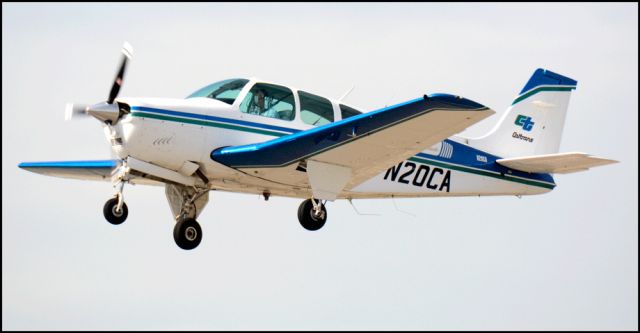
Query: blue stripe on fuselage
x,y
467,156
213,118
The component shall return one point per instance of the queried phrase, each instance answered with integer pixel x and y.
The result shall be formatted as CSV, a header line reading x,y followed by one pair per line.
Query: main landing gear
x,y
312,214
187,233
186,204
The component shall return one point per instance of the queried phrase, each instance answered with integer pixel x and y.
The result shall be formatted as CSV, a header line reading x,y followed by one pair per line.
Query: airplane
x,y
260,137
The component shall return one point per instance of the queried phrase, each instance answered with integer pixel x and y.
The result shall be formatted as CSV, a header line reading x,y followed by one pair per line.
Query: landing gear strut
x,y
186,203
312,214
115,209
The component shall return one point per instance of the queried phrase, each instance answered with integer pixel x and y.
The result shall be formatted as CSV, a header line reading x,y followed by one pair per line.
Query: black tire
x,y
307,219
110,213
187,234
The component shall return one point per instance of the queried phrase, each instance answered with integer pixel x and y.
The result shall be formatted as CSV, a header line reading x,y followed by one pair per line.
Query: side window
x,y
315,110
348,112
269,100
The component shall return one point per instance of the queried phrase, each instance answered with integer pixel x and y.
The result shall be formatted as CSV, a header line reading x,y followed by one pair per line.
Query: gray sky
x,y
563,260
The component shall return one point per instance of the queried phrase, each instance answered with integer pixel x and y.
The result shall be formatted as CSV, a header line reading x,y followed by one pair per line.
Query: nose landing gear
x,y
114,215
115,209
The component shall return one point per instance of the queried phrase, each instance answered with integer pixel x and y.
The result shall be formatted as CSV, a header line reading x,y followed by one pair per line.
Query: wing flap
x,y
555,163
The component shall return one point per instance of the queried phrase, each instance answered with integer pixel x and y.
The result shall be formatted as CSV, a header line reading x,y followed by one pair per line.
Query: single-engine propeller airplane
x,y
255,136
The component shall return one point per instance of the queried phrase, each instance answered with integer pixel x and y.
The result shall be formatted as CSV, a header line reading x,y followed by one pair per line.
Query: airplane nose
x,y
108,113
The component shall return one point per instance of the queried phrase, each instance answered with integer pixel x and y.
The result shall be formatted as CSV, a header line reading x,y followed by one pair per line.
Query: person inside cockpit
x,y
259,98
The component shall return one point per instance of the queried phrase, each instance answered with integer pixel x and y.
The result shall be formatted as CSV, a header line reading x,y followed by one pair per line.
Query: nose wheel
x,y
187,234
312,214
113,214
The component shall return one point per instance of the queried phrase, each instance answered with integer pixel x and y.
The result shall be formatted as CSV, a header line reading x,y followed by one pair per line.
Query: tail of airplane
x,y
533,123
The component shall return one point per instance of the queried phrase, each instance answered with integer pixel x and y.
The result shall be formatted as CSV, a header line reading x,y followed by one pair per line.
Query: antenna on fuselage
x,y
347,93
357,211
393,198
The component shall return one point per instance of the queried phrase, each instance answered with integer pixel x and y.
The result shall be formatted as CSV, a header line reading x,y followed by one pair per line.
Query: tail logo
x,y
524,122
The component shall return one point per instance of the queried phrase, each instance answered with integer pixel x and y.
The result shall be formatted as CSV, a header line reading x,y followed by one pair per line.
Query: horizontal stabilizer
x,y
555,163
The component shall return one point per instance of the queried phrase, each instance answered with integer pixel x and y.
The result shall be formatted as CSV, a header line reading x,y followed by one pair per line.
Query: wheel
x,y
187,234
113,216
307,217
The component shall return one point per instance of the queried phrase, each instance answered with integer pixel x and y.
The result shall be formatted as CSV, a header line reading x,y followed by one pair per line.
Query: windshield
x,y
226,91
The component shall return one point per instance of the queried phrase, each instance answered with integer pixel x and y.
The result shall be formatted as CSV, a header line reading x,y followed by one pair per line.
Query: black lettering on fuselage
x,y
417,181
429,185
422,174
409,172
393,171
446,181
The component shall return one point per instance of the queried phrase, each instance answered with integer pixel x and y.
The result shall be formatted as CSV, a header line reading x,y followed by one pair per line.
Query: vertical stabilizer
x,y
533,123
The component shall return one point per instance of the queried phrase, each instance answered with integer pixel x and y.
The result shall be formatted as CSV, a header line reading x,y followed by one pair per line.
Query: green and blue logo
x,y
524,122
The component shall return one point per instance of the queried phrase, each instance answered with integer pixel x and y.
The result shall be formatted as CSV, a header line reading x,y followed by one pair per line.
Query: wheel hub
x,y
116,212
317,214
191,234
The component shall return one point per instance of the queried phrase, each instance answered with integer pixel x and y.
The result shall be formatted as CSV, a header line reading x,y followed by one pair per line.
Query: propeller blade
x,y
127,52
75,110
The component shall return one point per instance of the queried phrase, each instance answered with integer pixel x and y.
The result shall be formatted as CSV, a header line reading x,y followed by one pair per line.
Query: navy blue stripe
x,y
102,164
466,156
212,118
543,77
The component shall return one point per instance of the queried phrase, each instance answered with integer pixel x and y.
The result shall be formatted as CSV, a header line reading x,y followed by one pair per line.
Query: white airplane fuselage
x,y
170,132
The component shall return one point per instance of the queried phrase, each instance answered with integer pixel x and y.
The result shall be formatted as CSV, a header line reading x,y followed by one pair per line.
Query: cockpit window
x,y
269,100
226,91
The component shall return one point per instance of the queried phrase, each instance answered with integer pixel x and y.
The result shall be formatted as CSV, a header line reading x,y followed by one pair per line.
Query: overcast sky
x,y
563,260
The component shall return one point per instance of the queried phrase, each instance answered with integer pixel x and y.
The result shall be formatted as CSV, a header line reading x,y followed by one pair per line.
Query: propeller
x,y
107,111
127,52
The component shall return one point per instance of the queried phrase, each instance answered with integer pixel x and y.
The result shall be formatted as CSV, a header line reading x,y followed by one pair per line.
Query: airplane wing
x,y
555,163
343,154
89,170
86,170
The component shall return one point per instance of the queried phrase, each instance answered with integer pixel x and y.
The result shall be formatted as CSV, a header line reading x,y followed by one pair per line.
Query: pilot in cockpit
x,y
262,101
259,98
